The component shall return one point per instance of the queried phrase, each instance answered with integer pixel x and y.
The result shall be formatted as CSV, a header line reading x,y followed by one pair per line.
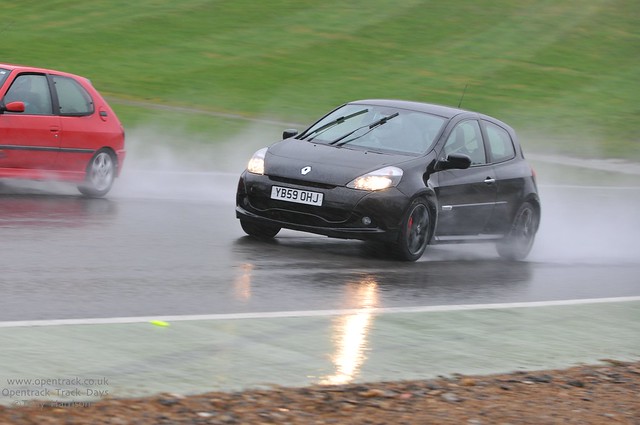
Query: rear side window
x,y
72,97
500,143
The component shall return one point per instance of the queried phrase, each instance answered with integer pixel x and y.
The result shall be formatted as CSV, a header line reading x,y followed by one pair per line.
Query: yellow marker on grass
x,y
159,323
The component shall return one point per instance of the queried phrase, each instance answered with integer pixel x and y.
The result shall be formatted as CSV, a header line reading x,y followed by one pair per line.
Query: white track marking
x,y
569,186
311,313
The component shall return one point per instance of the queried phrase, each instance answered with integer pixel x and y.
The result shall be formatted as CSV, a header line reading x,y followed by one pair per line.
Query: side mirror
x,y
454,161
12,107
289,133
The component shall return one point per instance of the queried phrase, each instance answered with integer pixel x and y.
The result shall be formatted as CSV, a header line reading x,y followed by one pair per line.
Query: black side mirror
x,y
289,133
454,161
11,107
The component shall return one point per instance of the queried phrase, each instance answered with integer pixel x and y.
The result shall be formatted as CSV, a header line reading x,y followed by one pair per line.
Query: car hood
x,y
329,164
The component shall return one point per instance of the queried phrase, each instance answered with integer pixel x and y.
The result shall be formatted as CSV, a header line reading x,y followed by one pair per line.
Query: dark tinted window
x,y
500,143
466,139
73,98
408,132
33,90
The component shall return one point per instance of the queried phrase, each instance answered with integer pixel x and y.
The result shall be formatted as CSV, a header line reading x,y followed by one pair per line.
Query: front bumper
x,y
343,214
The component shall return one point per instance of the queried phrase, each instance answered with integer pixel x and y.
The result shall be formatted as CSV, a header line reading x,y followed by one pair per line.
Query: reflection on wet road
x,y
350,333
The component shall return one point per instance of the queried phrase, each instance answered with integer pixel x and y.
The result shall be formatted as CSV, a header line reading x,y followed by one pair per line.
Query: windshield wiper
x,y
371,126
330,124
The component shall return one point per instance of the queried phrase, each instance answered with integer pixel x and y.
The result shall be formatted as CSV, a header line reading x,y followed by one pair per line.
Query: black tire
x,y
101,172
414,234
260,231
518,243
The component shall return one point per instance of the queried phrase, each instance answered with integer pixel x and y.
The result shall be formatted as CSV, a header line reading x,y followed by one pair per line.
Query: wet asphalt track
x,y
166,245
144,252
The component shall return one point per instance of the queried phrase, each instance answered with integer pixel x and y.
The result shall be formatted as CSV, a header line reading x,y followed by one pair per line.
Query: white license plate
x,y
296,195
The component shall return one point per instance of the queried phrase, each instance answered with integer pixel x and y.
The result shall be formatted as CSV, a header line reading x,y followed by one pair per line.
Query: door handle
x,y
489,180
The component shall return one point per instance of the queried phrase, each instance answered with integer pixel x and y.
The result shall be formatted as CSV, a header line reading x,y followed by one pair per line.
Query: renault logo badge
x,y
305,170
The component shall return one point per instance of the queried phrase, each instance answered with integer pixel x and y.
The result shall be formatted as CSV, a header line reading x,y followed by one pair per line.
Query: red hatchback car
x,y
56,126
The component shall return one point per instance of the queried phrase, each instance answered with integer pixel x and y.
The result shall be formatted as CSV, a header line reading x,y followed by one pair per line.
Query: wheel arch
x,y
429,196
534,200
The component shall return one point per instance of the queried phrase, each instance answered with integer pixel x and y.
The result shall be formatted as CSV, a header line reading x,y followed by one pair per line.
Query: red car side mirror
x,y
13,107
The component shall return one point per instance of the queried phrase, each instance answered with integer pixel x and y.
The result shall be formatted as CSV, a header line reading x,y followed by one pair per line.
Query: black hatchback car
x,y
403,173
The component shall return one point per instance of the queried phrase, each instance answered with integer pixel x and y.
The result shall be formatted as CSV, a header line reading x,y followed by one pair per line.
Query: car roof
x,y
25,68
444,111
430,108
13,66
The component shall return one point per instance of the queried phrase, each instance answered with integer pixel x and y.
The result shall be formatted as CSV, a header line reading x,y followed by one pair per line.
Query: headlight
x,y
377,180
256,163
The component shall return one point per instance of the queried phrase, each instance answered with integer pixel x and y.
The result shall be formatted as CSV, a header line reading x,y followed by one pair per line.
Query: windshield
x,y
4,73
377,128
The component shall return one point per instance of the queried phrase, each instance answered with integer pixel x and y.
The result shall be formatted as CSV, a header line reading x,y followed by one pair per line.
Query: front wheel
x,y
260,231
414,234
518,243
101,173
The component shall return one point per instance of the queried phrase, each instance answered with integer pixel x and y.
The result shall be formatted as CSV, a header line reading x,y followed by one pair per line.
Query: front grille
x,y
299,218
299,213
301,182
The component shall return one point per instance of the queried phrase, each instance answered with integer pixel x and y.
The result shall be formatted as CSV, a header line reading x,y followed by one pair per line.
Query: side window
x,y
500,143
466,138
73,98
33,90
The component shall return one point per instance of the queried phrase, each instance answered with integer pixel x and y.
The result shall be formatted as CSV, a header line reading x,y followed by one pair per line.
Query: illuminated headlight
x,y
377,180
256,163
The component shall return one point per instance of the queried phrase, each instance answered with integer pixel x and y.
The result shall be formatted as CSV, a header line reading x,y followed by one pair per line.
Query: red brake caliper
x,y
410,222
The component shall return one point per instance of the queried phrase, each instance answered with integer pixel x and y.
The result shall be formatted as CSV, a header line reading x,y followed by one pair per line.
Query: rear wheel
x,y
414,234
518,243
260,231
101,172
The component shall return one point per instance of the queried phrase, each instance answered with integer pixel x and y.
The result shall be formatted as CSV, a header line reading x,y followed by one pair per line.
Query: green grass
x,y
565,74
